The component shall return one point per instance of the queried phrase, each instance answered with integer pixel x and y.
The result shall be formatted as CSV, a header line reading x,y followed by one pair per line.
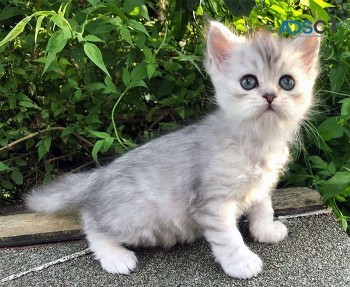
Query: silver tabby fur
x,y
199,180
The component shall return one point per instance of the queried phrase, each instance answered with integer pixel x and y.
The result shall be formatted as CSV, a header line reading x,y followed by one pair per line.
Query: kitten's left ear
x,y
309,48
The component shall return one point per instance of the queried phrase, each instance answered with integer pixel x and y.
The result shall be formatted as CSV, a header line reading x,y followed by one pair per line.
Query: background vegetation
x,y
83,80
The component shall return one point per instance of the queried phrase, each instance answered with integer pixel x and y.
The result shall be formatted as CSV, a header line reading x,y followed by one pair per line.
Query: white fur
x,y
114,258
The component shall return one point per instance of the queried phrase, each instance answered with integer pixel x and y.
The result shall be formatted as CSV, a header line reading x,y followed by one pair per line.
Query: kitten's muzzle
x,y
269,97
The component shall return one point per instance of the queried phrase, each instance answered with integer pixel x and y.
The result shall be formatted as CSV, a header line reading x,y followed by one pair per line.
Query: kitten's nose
x,y
269,97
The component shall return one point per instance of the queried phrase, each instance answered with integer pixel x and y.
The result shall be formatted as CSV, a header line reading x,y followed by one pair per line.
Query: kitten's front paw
x,y
269,233
120,262
244,265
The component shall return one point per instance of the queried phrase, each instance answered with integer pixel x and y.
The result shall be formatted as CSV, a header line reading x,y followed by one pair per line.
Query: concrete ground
x,y
316,253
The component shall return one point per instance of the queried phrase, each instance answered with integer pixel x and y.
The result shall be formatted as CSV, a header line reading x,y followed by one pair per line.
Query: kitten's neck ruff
x,y
266,133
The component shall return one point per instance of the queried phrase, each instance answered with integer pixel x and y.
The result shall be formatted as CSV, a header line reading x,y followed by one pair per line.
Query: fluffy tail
x,y
65,193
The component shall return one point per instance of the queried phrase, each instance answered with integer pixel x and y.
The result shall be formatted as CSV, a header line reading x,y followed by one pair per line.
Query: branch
x,y
11,145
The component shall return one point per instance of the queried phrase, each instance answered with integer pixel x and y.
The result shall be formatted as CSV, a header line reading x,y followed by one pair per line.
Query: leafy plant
x,y
84,80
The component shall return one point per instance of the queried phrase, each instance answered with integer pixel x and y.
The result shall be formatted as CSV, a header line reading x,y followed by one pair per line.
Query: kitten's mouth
x,y
270,108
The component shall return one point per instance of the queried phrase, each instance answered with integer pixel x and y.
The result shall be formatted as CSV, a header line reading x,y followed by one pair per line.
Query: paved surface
x,y
316,253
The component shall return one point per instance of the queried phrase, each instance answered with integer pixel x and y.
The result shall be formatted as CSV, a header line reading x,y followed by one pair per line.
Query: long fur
x,y
199,180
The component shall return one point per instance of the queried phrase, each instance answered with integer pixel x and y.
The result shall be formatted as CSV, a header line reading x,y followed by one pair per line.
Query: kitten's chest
x,y
249,175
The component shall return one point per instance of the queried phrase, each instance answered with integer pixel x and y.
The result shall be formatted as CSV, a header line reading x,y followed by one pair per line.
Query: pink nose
x,y
269,97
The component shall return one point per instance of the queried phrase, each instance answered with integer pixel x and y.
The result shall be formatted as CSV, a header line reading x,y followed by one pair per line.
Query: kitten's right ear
x,y
220,41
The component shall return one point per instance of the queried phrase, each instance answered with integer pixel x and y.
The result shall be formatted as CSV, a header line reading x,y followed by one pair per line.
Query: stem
x,y
11,145
113,122
336,93
165,36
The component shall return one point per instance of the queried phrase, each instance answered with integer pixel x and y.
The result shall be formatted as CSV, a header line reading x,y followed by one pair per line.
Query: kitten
x,y
199,180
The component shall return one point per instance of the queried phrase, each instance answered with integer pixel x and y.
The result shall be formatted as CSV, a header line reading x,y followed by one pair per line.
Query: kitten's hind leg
x,y
114,257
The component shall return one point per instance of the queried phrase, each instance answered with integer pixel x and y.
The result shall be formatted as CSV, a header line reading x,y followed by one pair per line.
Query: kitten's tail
x,y
65,193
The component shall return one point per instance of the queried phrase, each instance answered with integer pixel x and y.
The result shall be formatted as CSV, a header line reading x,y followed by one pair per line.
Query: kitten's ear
x,y
309,47
220,41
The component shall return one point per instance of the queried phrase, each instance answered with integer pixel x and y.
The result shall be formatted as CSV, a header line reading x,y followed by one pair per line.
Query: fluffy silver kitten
x,y
199,180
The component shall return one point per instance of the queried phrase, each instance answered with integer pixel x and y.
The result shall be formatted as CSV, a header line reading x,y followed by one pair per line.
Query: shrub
x,y
83,80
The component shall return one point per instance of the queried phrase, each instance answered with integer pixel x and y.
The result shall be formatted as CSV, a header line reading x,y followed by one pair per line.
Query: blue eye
x,y
287,82
249,82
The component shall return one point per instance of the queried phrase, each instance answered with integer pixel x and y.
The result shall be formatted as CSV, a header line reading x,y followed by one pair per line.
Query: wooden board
x,y
296,200
31,228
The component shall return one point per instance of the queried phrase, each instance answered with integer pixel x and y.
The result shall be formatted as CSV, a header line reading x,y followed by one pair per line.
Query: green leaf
x,y
317,160
332,168
136,8
337,76
139,72
37,27
21,162
47,144
323,4
26,104
61,22
48,60
150,70
344,224
124,32
95,55
111,88
126,77
330,129
138,26
73,83
77,95
340,178
101,135
6,184
67,131
4,167
317,11
17,30
92,38
345,107
56,42
42,151
135,84
107,144
140,40
278,9
17,177
329,191
115,9
96,149
9,12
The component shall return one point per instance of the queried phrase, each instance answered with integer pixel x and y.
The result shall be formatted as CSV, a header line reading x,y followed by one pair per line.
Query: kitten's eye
x,y
249,82
286,82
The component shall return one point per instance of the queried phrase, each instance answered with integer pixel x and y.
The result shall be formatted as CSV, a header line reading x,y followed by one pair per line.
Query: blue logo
x,y
306,27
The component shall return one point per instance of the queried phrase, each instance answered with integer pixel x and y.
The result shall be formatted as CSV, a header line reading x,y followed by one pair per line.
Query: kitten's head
x,y
264,81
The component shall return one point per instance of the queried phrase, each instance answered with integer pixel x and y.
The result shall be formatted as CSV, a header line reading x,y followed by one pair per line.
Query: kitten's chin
x,y
269,112
273,112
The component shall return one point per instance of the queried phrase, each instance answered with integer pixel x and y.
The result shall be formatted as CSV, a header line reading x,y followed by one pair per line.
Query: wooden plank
x,y
30,228
36,223
296,200
33,228
41,238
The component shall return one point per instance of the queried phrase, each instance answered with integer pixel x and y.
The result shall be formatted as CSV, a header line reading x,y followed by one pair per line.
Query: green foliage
x,y
84,80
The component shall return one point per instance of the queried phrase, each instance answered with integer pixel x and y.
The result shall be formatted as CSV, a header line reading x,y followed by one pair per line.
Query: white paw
x,y
121,261
269,233
243,265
